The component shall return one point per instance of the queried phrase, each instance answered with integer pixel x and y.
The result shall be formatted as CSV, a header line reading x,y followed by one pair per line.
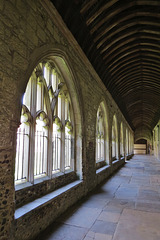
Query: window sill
x,y
129,156
46,198
28,192
22,186
100,161
102,169
115,161
40,179
100,164
58,173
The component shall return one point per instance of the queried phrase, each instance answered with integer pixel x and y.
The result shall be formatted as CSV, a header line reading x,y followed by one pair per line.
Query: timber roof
x,y
121,38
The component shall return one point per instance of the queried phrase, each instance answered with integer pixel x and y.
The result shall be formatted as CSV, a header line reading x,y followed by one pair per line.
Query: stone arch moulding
x,y
145,138
61,58
145,134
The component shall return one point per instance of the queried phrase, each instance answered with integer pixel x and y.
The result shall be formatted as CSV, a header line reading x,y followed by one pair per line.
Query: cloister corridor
x,y
125,207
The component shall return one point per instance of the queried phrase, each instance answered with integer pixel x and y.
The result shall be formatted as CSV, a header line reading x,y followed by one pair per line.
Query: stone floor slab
x,y
109,216
122,203
114,209
93,202
83,217
148,206
104,227
138,225
100,236
64,232
126,207
125,193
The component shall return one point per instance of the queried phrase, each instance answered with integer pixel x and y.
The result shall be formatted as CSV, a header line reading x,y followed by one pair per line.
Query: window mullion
x,y
62,166
32,128
66,109
42,96
115,136
97,147
50,153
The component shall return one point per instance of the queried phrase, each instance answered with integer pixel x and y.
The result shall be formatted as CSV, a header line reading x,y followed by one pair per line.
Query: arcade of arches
x,y
63,127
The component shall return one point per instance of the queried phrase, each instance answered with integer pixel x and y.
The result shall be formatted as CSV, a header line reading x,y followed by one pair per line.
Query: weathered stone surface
x,y
29,34
115,218
28,194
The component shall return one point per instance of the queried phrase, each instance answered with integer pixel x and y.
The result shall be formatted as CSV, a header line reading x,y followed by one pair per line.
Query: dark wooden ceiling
x,y
121,38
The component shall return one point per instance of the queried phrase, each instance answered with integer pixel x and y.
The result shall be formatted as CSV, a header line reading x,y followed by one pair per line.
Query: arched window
x,y
129,146
45,137
102,137
100,134
132,143
114,139
121,141
127,141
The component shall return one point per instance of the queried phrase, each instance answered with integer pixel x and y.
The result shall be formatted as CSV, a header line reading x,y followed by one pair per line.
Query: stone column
x,y
7,192
89,163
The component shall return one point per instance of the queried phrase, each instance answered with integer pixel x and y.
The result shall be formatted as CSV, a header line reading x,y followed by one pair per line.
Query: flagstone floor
x,y
126,207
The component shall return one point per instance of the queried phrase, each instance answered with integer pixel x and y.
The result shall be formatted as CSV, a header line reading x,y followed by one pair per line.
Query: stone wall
x,y
31,192
37,220
29,31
